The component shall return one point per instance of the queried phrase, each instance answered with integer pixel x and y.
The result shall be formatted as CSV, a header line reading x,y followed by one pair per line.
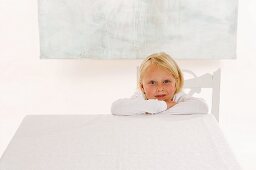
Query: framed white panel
x,y
122,29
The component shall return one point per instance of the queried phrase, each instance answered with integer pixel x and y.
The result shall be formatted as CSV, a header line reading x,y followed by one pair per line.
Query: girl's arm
x,y
186,104
137,105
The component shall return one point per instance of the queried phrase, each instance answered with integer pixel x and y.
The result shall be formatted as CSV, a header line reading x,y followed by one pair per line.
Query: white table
x,y
107,142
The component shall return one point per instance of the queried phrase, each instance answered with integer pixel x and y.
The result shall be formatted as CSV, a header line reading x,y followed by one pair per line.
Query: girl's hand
x,y
170,103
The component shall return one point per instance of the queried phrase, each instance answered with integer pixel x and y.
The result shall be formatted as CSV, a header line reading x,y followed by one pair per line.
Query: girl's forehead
x,y
157,71
157,68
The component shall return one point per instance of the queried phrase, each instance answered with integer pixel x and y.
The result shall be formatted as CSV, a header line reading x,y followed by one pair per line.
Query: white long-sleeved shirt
x,y
138,105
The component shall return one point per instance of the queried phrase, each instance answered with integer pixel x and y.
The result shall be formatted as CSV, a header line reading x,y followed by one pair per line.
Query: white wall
x,y
29,85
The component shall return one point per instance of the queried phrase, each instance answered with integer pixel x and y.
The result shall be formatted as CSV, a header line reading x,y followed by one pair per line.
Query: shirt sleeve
x,y
137,105
188,105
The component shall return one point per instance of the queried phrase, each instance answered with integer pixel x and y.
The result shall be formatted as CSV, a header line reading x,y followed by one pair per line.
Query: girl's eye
x,y
152,82
166,81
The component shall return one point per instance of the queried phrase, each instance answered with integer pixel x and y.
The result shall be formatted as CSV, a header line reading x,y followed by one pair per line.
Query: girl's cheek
x,y
173,86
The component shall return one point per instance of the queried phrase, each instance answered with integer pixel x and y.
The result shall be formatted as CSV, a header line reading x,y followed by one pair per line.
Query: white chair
x,y
207,80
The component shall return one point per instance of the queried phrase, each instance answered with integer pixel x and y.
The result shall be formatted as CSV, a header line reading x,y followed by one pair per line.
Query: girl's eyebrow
x,y
167,79
151,80
160,81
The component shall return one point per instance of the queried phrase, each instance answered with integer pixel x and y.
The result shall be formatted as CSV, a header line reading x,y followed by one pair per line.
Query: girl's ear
x,y
176,86
142,88
143,91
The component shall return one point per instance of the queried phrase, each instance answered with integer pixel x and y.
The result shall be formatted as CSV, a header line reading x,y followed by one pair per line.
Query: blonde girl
x,y
160,90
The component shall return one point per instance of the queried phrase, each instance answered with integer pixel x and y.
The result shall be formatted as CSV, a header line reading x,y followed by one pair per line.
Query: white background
x,y
29,85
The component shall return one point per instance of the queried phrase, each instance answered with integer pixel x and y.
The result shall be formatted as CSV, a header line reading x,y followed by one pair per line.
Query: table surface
x,y
181,142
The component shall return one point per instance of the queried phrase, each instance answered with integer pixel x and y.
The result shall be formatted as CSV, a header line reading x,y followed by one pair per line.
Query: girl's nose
x,y
160,88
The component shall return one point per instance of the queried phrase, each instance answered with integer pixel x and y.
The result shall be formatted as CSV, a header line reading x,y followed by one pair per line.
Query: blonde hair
x,y
165,61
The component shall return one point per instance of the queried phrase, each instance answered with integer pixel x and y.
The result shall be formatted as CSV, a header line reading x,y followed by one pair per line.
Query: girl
x,y
160,83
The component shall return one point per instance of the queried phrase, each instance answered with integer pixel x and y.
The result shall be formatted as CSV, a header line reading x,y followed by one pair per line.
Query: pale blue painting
x,y
131,29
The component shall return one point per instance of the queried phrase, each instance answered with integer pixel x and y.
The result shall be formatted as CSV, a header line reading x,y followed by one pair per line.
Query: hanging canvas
x,y
131,29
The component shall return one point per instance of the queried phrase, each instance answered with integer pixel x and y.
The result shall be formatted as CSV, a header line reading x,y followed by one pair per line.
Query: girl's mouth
x,y
160,96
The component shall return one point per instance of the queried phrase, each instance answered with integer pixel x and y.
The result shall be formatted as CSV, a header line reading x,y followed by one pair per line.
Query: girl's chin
x,y
164,98
161,98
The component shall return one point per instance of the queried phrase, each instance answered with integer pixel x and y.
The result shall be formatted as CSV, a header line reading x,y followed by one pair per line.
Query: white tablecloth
x,y
107,142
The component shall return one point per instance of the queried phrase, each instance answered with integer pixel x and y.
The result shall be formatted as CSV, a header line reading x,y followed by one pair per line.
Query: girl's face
x,y
158,83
